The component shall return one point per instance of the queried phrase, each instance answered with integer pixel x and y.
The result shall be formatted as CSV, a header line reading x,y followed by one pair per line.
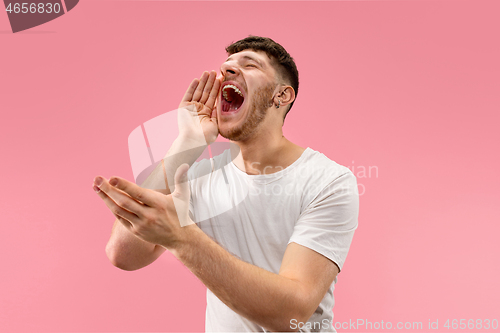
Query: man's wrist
x,y
185,240
186,141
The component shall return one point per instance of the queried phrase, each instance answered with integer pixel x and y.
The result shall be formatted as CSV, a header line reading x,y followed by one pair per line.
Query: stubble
x,y
260,102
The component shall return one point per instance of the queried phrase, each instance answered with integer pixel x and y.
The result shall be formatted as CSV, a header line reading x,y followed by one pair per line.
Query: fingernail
x,y
113,181
97,189
98,181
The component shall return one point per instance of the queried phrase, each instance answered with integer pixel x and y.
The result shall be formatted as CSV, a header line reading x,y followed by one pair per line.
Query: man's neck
x,y
266,153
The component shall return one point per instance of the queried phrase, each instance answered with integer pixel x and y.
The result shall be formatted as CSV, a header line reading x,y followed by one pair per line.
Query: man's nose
x,y
229,70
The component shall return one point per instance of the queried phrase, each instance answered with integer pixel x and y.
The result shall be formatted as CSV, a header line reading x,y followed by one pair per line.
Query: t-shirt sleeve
x,y
328,223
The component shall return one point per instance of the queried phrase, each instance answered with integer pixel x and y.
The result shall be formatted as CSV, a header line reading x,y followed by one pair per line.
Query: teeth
x,y
224,92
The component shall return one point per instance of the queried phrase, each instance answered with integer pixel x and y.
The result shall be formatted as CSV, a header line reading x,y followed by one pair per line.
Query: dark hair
x,y
283,62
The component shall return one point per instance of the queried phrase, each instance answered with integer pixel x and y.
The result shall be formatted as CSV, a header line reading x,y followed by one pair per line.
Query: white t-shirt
x,y
313,202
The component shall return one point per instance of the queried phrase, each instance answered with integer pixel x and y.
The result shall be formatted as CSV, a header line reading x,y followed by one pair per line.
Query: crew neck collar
x,y
266,178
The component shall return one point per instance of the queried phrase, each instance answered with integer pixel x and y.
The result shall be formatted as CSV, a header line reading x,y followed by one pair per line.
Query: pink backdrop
x,y
405,93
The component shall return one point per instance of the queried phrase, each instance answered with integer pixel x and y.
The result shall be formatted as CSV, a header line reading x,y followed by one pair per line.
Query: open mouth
x,y
232,98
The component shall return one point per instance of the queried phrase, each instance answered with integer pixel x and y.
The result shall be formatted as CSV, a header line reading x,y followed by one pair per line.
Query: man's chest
x,y
258,228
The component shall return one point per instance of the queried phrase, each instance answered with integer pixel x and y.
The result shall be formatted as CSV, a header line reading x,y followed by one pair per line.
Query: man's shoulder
x,y
326,180
321,166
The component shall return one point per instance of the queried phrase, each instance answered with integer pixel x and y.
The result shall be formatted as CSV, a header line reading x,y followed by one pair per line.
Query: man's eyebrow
x,y
248,58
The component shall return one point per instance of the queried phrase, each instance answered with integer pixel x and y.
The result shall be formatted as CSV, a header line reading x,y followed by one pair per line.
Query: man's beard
x,y
260,102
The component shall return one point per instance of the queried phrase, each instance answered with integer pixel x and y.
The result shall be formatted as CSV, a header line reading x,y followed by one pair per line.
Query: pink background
x,y
410,88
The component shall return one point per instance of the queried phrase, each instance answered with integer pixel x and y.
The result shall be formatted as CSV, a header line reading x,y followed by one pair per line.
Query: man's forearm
x,y
268,299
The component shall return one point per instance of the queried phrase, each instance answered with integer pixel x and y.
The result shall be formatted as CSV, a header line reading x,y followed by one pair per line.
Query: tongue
x,y
234,100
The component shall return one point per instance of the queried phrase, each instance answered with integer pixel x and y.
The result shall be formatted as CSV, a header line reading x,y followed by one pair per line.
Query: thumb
x,y
181,190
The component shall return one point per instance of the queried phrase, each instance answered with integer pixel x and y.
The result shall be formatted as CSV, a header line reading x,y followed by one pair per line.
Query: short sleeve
x,y
328,223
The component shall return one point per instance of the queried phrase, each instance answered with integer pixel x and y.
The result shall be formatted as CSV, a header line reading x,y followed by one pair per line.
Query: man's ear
x,y
285,96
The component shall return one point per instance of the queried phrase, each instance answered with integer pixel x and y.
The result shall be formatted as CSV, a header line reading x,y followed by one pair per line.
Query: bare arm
x,y
197,126
273,301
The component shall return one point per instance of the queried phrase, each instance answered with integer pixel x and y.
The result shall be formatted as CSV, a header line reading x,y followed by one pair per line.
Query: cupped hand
x,y
200,102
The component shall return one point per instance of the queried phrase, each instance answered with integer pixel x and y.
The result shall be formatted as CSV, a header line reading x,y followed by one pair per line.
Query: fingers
x,y
201,90
120,198
143,195
201,86
214,93
125,216
207,90
188,96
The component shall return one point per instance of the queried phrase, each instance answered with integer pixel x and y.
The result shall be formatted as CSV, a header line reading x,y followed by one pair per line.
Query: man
x,y
270,258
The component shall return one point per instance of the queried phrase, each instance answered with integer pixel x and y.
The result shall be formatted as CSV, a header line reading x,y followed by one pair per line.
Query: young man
x,y
267,228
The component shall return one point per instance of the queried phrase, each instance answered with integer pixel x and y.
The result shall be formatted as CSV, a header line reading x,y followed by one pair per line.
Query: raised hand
x,y
200,102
